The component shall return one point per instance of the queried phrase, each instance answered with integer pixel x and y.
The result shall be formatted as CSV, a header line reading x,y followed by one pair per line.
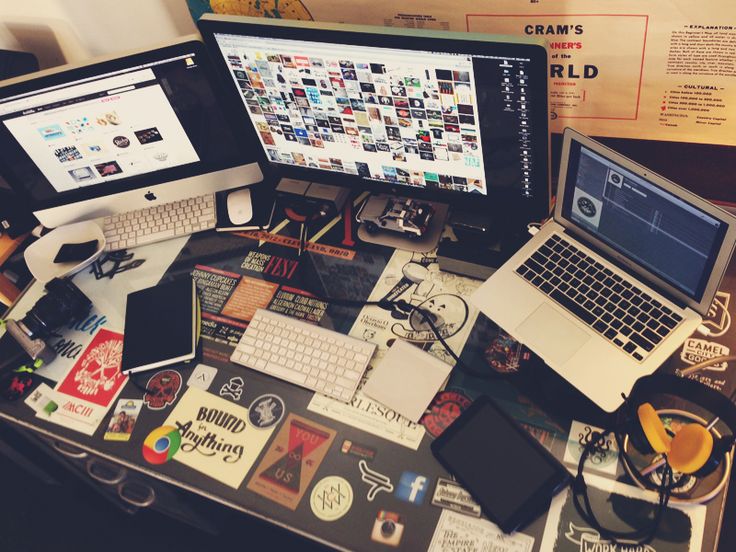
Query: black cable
x,y
407,308
640,536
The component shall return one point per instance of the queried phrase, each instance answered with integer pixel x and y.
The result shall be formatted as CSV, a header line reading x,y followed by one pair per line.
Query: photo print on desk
x,y
621,507
216,437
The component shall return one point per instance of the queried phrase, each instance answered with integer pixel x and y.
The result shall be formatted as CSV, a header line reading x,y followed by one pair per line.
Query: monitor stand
x,y
424,244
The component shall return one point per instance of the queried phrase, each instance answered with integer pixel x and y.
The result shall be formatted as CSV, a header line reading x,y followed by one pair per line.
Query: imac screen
x,y
440,114
83,131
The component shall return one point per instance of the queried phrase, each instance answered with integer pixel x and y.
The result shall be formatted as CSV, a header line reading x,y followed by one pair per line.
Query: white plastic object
x,y
40,255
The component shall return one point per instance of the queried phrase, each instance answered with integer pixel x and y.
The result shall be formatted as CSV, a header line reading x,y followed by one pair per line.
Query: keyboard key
x,y
651,336
641,342
572,306
630,347
534,265
600,326
667,321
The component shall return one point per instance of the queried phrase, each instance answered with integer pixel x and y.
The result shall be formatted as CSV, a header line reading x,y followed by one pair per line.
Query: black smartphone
x,y
505,469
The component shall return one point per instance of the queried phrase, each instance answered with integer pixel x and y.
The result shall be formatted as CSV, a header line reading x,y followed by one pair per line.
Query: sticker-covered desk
x,y
354,476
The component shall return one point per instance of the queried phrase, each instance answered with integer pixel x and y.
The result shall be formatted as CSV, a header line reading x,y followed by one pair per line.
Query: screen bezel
x,y
699,304
536,501
71,73
536,208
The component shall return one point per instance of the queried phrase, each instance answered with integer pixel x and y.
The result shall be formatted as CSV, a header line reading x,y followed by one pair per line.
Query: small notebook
x,y
263,200
161,326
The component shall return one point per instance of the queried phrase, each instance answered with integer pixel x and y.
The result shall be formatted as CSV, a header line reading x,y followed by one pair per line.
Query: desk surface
x,y
304,468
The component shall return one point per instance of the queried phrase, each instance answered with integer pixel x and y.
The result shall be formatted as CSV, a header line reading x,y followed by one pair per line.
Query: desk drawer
x,y
132,490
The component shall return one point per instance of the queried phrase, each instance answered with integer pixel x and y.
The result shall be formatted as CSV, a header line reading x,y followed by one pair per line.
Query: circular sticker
x,y
121,141
445,407
266,411
161,444
331,498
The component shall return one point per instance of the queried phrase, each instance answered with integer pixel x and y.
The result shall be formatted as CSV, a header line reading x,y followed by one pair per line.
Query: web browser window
x,y
102,129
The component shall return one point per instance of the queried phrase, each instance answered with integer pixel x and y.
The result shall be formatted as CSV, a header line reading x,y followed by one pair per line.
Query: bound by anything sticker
x,y
331,498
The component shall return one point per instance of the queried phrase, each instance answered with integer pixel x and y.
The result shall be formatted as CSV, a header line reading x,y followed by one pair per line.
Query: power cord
x,y
429,318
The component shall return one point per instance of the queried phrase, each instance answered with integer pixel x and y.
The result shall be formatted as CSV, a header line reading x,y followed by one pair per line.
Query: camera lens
x,y
388,528
62,303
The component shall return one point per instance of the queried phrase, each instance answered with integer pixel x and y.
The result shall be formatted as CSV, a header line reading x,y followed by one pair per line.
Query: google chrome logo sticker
x,y
161,444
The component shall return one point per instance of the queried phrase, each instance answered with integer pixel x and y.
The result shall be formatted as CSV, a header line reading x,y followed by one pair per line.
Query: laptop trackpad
x,y
552,336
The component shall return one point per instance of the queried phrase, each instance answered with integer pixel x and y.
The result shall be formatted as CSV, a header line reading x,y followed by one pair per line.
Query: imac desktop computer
x,y
456,118
134,132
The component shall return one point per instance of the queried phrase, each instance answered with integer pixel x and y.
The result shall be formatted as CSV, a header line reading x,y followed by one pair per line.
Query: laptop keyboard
x,y
614,307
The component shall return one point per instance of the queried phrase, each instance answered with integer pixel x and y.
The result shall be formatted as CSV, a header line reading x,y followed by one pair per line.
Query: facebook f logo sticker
x,y
412,487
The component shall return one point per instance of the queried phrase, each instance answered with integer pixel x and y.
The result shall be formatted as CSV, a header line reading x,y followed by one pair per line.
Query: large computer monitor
x,y
455,117
119,134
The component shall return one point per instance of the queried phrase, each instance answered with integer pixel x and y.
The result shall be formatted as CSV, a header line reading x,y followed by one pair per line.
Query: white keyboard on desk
x,y
160,222
319,359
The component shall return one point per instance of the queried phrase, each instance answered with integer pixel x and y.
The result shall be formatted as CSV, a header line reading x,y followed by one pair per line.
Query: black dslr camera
x,y
23,347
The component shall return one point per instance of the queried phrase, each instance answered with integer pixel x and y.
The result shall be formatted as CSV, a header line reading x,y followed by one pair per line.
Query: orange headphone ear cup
x,y
653,429
691,448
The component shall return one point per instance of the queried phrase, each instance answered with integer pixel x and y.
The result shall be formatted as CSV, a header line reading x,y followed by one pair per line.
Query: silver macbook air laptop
x,y
620,276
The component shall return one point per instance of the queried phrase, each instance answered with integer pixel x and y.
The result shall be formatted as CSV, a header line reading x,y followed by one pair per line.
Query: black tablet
x,y
505,469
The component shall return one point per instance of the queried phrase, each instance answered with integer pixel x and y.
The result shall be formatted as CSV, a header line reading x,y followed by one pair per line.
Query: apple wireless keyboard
x,y
160,222
304,354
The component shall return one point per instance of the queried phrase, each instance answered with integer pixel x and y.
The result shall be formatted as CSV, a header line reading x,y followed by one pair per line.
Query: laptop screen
x,y
653,227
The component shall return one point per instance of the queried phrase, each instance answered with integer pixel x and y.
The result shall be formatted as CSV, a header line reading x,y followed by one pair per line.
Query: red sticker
x,y
96,377
445,408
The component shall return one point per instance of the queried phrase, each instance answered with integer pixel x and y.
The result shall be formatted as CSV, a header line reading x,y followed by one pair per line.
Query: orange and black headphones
x,y
692,450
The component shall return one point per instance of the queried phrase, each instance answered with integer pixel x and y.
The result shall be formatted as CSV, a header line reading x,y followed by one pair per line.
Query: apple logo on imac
x,y
150,196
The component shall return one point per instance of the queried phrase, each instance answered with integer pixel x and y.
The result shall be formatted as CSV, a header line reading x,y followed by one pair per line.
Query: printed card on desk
x,y
407,379
456,532
89,388
217,438
291,461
